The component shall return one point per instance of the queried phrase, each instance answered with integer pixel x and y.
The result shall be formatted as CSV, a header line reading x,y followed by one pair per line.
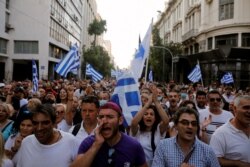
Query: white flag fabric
x,y
96,76
70,63
227,78
195,75
141,54
150,75
127,95
34,76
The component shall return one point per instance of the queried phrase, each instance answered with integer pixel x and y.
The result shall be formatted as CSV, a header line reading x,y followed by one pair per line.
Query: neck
x,y
89,127
114,140
185,145
215,111
239,125
3,122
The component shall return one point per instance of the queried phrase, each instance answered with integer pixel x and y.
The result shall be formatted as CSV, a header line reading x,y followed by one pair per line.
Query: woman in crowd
x,y
149,125
21,129
5,122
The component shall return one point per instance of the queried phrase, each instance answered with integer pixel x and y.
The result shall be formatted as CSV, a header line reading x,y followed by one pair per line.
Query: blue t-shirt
x,y
127,152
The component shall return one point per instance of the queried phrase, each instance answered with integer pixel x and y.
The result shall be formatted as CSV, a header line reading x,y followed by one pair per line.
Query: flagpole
x,y
146,71
201,75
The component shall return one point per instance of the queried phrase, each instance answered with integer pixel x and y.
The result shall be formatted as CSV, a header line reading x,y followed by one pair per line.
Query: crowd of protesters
x,y
74,123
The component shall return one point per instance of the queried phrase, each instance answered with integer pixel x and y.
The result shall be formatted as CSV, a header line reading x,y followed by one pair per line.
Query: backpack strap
x,y
76,129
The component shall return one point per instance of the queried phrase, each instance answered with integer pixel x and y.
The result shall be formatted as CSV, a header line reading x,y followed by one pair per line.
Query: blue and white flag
x,y
195,75
227,78
141,54
116,73
96,76
70,63
150,75
127,95
34,76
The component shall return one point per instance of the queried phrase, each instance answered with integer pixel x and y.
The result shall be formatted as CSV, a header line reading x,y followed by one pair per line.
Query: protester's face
x,y
214,101
42,92
26,127
149,117
63,94
3,114
75,102
59,114
89,113
187,127
173,98
242,112
111,121
43,128
201,100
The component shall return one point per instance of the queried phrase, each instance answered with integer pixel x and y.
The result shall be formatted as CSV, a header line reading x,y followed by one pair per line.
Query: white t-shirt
x,y
60,154
7,163
63,126
231,143
217,120
144,138
10,142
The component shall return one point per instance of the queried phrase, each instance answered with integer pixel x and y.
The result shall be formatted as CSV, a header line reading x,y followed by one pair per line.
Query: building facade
x,y
43,31
215,32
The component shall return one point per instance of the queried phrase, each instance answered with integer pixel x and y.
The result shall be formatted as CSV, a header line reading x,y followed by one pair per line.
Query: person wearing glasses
x,y
214,116
109,147
231,141
47,146
185,149
61,123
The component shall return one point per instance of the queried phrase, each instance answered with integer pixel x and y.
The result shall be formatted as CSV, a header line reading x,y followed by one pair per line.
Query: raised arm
x,y
69,113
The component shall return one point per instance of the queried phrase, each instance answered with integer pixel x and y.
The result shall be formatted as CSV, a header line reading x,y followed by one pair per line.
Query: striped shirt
x,y
169,154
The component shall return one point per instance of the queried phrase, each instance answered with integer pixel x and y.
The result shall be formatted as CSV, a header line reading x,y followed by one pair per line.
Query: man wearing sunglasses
x,y
214,116
109,147
185,149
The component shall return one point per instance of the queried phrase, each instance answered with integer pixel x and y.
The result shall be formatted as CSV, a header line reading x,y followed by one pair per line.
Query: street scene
x,y
147,83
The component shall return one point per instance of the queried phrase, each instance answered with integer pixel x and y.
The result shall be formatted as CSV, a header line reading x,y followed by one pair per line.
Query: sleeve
x,y
86,144
218,144
7,131
158,160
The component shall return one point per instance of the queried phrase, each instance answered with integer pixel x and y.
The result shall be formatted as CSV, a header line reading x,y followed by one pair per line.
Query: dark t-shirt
x,y
127,152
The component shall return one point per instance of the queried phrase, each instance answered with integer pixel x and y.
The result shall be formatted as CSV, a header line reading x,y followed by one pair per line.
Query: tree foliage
x,y
97,28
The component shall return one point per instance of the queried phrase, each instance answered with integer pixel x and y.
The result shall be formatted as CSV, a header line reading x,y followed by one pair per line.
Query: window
x,y
3,46
231,40
226,9
209,43
246,39
28,47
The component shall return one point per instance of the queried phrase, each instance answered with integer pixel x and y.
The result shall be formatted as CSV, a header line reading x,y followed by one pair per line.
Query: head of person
x,y
19,92
241,109
228,90
75,104
103,97
186,122
201,98
60,110
188,103
4,112
160,93
145,92
214,99
24,125
43,120
63,95
110,116
173,97
183,93
89,109
42,92
150,119
32,103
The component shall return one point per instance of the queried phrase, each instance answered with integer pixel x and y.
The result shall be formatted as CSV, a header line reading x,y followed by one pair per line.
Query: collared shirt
x,y
169,154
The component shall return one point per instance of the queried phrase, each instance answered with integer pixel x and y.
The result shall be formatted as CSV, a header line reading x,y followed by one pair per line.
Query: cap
x,y
2,85
113,106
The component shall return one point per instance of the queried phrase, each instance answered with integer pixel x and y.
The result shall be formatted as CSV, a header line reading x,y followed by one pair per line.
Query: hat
x,y
113,106
19,89
2,85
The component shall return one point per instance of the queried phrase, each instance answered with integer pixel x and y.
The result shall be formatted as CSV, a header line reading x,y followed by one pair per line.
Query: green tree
x,y
97,28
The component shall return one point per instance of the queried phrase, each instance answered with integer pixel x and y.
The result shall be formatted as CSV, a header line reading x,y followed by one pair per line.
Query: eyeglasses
x,y
110,157
215,99
186,123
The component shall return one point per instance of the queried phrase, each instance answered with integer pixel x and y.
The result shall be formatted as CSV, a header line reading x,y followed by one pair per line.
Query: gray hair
x,y
239,98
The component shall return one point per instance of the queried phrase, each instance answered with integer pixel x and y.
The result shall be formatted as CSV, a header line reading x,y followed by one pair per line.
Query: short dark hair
x,y
46,109
214,92
91,99
200,93
187,110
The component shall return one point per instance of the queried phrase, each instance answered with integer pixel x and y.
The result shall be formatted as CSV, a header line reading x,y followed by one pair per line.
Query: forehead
x,y
186,116
107,111
88,105
213,95
41,117
173,94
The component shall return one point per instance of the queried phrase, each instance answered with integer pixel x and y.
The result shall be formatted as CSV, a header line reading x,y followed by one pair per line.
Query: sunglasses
x,y
186,123
111,153
215,99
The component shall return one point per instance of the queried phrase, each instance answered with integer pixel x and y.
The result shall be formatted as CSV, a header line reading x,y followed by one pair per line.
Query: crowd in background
x,y
186,114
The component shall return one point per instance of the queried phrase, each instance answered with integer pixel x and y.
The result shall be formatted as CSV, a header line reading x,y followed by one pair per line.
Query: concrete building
x,y
43,31
215,32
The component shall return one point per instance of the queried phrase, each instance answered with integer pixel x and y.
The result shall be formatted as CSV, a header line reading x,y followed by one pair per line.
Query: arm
x,y
69,114
233,163
137,118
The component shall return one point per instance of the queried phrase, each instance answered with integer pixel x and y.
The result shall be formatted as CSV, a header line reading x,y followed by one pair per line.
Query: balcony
x,y
190,34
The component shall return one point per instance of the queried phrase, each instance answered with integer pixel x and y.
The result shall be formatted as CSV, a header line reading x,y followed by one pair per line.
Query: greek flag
x,y
141,54
34,77
195,75
70,63
127,95
150,75
227,78
96,76
116,73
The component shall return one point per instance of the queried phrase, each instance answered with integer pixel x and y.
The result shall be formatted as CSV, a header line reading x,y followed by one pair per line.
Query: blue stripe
x,y
125,81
